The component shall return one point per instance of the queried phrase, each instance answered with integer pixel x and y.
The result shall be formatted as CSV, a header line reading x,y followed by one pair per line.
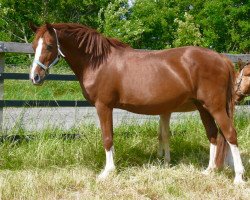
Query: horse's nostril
x,y
36,78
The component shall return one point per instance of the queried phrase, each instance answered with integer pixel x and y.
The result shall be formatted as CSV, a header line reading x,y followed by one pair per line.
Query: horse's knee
x,y
108,142
232,139
231,136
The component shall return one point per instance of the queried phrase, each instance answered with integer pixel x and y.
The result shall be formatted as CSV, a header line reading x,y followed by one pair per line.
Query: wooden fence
x,y
14,47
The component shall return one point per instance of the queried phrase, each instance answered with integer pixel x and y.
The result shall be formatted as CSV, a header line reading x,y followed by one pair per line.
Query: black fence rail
x,y
24,76
41,103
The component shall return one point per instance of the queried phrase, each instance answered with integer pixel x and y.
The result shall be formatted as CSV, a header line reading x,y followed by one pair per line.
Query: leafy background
x,y
222,25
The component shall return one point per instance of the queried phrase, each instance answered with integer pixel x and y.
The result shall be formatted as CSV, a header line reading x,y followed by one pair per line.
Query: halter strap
x,y
58,45
59,54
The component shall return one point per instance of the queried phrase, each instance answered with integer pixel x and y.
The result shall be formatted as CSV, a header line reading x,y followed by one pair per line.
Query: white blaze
x,y
38,53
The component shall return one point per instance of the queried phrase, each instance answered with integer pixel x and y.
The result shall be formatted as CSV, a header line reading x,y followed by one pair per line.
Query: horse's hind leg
x,y
211,131
164,136
227,128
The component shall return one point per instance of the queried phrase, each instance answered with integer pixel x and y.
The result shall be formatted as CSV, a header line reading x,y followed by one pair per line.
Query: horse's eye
x,y
49,47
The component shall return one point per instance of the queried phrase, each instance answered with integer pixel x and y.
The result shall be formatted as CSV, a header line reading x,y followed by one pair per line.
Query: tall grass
x,y
49,165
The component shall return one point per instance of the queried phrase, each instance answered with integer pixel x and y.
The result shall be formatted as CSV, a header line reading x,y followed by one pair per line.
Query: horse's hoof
x,y
104,174
206,172
239,181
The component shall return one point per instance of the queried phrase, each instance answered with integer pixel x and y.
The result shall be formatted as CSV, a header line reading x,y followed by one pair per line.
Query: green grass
x,y
50,90
48,166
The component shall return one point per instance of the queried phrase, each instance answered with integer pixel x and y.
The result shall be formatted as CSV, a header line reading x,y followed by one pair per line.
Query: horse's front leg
x,y
106,122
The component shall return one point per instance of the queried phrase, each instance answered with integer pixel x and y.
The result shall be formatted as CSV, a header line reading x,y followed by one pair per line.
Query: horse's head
x,y
243,81
47,52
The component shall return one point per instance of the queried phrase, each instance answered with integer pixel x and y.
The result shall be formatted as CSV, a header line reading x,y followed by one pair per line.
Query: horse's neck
x,y
79,62
76,59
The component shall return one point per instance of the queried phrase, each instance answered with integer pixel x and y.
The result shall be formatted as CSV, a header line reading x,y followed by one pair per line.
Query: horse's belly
x,y
157,106
186,107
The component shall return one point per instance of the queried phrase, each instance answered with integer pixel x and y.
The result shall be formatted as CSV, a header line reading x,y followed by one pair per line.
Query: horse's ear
x,y
240,64
33,27
49,27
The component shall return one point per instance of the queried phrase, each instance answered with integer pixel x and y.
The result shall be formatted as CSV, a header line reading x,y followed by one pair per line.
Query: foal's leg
x,y
164,136
227,128
211,131
106,122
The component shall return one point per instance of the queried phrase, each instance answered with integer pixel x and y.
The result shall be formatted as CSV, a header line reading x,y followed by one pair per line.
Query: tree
x,y
157,18
225,25
115,21
188,32
16,15
146,24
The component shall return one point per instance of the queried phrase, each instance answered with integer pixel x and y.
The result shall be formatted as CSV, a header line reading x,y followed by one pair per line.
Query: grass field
x,y
48,166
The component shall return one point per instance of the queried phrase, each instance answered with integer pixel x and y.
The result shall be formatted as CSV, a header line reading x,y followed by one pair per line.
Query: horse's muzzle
x,y
37,80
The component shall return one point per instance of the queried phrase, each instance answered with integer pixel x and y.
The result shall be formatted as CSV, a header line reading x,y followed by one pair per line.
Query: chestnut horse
x,y
242,90
114,75
242,86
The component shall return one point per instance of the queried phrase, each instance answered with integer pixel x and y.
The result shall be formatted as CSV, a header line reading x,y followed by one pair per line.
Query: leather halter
x,y
59,54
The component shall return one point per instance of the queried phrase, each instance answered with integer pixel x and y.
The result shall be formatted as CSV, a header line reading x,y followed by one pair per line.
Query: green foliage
x,y
115,21
157,18
16,15
222,25
225,25
188,32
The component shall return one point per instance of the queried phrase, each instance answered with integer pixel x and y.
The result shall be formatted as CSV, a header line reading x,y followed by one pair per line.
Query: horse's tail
x,y
222,145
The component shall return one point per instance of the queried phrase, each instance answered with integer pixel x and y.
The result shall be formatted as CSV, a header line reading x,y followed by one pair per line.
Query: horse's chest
x,y
89,90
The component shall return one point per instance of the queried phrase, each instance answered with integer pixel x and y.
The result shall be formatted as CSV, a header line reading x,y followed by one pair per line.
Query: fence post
x,y
1,88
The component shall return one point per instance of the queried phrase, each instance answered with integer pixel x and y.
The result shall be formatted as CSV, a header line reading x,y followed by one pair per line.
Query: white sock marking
x,y
238,167
110,166
38,53
211,164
